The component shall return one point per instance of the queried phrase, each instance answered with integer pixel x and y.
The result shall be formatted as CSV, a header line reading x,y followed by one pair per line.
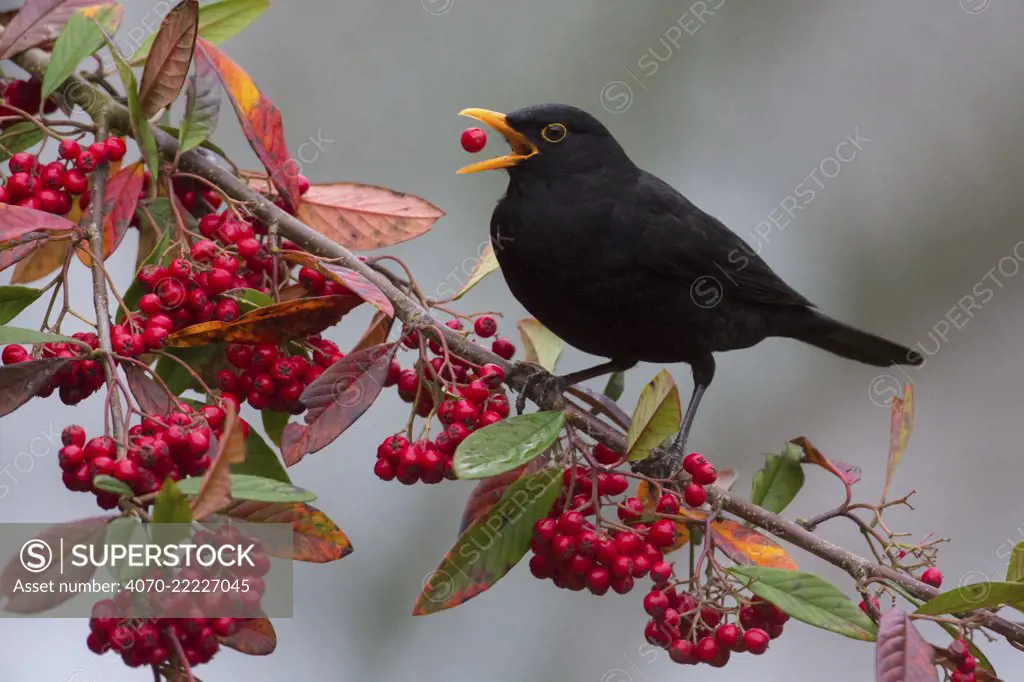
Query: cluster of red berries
x,y
171,446
74,382
26,95
267,377
472,398
960,654
50,187
695,634
150,641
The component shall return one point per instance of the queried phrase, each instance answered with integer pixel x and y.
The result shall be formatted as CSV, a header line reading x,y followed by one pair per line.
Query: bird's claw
x,y
537,379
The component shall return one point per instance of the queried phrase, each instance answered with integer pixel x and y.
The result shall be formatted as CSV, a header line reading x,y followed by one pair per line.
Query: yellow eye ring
x,y
554,132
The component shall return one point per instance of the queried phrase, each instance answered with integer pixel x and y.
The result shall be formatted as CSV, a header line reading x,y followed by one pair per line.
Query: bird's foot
x,y
549,387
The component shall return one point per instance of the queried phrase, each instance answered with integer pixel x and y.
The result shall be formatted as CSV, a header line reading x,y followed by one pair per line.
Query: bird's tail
x,y
828,334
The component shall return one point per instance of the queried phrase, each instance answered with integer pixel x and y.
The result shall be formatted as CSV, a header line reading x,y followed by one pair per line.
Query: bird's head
x,y
549,139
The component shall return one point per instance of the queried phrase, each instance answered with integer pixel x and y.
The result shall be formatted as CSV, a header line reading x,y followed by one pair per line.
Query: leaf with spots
x,y
260,120
491,546
315,538
253,637
22,381
273,324
748,546
901,653
169,58
489,492
656,417
38,22
334,402
810,599
901,426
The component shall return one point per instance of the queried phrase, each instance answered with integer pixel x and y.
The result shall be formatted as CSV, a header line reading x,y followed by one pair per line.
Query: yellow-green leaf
x,y
79,38
656,417
540,345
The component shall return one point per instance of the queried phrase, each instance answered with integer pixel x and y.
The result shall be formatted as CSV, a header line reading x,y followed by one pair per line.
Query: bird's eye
x,y
554,132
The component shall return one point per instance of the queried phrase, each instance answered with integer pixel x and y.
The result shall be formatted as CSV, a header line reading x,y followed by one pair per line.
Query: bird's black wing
x,y
683,242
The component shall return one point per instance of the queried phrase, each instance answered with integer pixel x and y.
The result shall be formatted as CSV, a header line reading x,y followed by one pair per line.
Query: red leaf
x,y
488,492
901,653
316,538
18,221
38,22
363,217
847,473
260,120
88,531
376,333
336,400
120,198
19,383
168,61
15,254
254,636
352,280
151,397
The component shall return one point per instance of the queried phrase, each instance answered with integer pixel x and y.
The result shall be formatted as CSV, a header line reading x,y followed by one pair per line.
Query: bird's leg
x,y
703,373
558,384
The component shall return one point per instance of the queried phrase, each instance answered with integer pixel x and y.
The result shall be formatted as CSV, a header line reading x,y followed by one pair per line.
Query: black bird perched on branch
x,y
620,265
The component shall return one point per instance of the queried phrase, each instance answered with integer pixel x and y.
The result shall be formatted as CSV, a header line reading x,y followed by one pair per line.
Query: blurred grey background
x,y
740,105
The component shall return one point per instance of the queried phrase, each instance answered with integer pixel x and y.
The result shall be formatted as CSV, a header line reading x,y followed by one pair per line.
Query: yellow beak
x,y
522,148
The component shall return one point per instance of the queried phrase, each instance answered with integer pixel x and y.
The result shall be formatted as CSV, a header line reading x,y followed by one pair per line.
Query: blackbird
x,y
620,265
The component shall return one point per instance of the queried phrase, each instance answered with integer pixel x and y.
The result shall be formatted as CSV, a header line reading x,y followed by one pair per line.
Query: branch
x,y
99,293
79,92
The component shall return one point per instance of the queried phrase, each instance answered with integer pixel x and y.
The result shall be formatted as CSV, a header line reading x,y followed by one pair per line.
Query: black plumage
x,y
619,264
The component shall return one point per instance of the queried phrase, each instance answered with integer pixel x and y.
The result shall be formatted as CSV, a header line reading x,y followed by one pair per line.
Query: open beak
x,y
522,148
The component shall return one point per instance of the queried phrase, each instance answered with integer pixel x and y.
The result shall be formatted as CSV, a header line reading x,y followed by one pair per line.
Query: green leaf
x,y
19,335
202,360
1015,571
779,481
975,596
140,124
202,108
615,386
656,417
218,21
507,444
18,138
170,506
249,299
260,459
809,598
540,345
14,299
79,38
489,548
255,488
273,424
127,530
111,485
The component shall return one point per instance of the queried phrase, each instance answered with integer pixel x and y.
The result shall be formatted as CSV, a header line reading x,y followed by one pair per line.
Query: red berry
x,y
303,184
727,636
491,375
22,162
126,470
485,327
692,461
668,504
662,533
227,310
962,677
661,573
384,469
73,435
707,650
504,348
695,495
570,523
155,337
473,139
20,185
115,148
247,248
932,576
617,484
683,651
605,455
967,664
68,149
98,150
14,354
657,634
86,161
218,281
75,181
655,603
705,475
755,640
631,509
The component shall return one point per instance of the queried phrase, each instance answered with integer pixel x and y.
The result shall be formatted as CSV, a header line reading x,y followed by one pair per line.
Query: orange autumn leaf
x,y
120,198
643,493
315,539
273,324
215,488
40,261
847,473
900,427
746,546
253,636
376,333
260,120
